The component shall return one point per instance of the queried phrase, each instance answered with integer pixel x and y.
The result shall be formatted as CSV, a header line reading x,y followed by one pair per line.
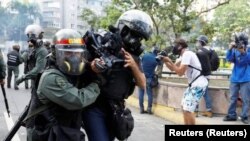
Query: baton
x,y
5,100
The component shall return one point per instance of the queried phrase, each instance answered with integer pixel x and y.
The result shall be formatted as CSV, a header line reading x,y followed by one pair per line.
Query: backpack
x,y
213,58
205,65
205,62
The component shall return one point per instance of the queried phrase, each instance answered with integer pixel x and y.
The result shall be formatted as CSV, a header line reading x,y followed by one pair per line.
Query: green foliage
x,y
112,14
18,18
231,18
90,17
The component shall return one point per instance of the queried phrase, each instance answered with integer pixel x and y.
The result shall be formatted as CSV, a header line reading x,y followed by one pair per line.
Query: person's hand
x,y
20,79
129,60
98,65
2,81
232,45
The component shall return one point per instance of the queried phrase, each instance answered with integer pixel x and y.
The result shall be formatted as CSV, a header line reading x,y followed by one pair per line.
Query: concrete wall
x,y
170,94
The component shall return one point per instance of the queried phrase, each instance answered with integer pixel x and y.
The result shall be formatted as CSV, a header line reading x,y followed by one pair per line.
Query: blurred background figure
x,y
47,46
14,59
149,63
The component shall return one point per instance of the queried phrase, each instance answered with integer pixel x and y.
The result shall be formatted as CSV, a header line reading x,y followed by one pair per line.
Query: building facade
x,y
59,14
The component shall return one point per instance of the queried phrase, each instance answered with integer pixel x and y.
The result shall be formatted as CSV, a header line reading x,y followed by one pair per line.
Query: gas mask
x,y
70,61
73,65
198,44
132,41
177,50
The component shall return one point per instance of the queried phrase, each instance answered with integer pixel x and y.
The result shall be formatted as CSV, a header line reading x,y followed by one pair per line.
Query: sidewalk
x,y
176,116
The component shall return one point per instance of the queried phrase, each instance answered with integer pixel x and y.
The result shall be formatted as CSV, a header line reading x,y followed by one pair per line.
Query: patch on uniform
x,y
60,82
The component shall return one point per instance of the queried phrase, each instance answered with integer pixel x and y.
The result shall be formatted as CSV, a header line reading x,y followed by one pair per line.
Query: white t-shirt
x,y
190,58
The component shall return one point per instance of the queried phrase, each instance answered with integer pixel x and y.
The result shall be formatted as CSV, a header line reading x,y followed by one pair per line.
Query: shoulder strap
x,y
37,111
194,68
190,84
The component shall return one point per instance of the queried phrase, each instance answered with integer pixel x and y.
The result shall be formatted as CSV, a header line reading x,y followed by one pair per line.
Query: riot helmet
x,y
34,34
69,51
241,40
179,44
134,25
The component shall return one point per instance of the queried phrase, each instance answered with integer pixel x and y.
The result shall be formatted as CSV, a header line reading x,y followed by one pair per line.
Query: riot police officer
x,y
14,59
133,26
37,58
36,63
58,89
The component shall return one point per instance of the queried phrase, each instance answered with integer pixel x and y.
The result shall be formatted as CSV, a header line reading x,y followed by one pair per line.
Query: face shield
x,y
70,60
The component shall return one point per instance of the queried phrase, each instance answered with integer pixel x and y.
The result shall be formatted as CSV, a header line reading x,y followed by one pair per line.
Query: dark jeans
x,y
208,101
15,70
97,125
244,90
149,91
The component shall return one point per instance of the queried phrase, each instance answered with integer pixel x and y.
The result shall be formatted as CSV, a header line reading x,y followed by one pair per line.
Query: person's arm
x,y
178,69
56,88
244,57
40,64
139,77
230,54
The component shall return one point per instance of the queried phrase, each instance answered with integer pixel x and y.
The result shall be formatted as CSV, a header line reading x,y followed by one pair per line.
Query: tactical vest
x,y
31,61
13,58
54,115
120,83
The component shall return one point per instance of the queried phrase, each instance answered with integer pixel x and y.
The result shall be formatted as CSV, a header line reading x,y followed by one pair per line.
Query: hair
x,y
181,42
16,47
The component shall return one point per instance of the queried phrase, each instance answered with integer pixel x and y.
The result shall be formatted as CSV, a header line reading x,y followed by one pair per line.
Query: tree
x,y
90,17
4,18
231,18
172,18
21,15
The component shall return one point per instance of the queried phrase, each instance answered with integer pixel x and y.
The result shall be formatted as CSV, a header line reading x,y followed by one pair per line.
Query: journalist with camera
x,y
239,54
149,63
108,118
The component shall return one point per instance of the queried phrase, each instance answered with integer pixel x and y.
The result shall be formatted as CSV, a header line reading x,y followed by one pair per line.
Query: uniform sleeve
x,y
58,90
40,63
2,67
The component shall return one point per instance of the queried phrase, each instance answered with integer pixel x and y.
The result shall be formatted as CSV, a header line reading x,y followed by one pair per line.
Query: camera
x,y
159,56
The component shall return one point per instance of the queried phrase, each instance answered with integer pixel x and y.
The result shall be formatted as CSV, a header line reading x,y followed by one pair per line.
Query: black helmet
x,y
69,51
134,25
203,39
138,21
35,34
241,38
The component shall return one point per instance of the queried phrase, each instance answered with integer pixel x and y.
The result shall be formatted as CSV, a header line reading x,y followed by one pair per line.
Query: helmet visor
x,y
70,60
